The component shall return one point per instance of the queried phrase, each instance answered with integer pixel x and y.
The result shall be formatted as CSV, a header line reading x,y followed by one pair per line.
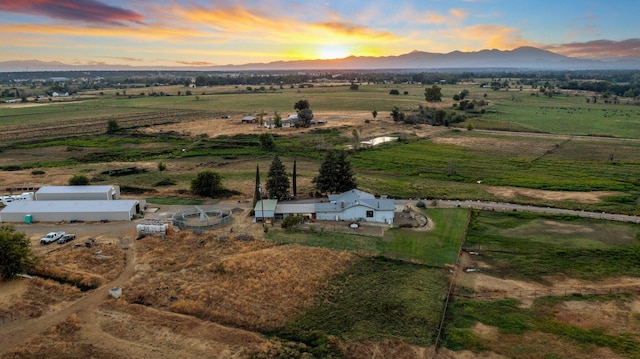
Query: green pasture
x,y
516,324
375,299
410,169
531,247
435,248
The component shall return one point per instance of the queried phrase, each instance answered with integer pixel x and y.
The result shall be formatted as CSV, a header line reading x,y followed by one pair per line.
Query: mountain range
x,y
523,58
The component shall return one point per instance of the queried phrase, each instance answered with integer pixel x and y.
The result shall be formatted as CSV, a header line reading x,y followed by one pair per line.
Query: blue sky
x,y
196,32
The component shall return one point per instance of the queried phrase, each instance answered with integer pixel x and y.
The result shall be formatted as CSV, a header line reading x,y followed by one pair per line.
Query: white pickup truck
x,y
51,237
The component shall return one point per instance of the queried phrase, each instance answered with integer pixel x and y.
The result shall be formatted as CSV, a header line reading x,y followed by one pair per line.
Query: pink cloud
x,y
75,10
599,48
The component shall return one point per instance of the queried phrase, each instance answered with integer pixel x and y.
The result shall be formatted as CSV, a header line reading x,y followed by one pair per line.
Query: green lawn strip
x,y
376,299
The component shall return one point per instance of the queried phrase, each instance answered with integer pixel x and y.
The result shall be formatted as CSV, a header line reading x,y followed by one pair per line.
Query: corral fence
x,y
548,292
197,219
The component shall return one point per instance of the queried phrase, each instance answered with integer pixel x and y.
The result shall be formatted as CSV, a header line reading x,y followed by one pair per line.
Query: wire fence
x,y
201,220
548,292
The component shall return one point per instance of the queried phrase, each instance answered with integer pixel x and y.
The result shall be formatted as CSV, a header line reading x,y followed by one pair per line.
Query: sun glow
x,y
329,52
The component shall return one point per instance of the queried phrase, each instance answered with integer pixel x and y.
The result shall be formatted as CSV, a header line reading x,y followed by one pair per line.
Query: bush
x,y
207,184
394,92
290,222
79,180
112,126
37,172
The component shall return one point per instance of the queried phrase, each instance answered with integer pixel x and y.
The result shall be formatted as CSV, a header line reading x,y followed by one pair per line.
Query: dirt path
x,y
16,334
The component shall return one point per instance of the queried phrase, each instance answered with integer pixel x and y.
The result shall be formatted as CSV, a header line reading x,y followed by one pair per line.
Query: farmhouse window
x,y
369,214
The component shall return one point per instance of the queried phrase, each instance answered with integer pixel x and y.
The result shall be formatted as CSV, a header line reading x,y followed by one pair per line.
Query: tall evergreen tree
x,y
345,179
326,178
277,180
335,174
256,191
295,179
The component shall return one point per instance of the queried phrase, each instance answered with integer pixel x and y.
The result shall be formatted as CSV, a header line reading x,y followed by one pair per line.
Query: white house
x,y
356,205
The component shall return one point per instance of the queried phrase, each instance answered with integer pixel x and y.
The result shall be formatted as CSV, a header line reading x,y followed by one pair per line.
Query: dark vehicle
x,y
66,238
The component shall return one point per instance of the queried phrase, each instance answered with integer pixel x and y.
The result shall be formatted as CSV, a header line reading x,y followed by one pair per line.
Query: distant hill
x,y
521,58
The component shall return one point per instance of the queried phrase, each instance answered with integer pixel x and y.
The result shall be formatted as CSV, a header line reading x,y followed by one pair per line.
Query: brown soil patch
x,y
615,317
348,120
566,228
497,144
505,192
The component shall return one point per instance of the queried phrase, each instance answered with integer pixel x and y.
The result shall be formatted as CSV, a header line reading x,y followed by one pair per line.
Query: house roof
x,y
74,189
350,196
295,208
91,206
266,204
375,204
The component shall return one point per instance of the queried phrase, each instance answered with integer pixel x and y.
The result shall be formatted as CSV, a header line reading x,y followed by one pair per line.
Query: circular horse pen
x,y
200,219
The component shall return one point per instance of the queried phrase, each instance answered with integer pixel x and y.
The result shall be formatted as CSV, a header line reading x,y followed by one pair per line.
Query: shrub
x,y
79,180
290,222
207,184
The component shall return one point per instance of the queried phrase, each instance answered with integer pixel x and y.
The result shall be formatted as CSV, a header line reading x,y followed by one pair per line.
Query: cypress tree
x,y
295,184
256,192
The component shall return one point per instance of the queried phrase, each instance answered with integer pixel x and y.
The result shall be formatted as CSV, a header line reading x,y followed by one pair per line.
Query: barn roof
x,y
74,189
86,206
266,204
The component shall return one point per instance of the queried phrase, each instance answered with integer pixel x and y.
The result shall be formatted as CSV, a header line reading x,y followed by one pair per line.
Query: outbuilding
x,y
265,209
81,193
71,211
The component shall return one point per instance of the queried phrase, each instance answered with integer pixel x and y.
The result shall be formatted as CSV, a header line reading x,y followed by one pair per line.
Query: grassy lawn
x,y
434,248
531,247
375,299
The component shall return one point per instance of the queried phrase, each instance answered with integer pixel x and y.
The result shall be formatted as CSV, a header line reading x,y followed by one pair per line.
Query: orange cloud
x,y
351,30
458,13
490,37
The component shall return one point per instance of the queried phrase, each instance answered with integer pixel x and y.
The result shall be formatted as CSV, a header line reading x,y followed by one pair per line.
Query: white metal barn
x,y
68,211
82,193
356,205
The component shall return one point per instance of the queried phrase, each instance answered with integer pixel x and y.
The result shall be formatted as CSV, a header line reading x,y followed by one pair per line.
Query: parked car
x,y
66,238
51,237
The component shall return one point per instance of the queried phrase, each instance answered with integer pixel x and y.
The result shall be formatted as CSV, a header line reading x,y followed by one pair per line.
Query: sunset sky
x,y
198,32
